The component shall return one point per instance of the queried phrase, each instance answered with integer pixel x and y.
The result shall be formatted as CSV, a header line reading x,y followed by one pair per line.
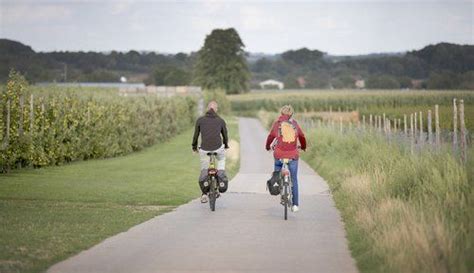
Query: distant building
x,y
417,83
271,83
360,84
301,82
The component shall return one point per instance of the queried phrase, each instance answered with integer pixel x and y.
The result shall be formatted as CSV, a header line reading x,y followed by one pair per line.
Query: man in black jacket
x,y
211,127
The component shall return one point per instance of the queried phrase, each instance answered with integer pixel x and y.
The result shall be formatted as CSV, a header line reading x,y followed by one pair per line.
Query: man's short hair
x,y
287,110
212,105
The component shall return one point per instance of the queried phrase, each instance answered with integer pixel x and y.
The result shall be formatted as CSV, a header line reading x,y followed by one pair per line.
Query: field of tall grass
x,y
394,103
403,212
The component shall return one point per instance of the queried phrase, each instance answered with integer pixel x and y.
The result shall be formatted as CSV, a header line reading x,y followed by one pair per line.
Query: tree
x,y
176,77
221,62
382,82
169,76
302,56
467,81
262,65
405,82
443,80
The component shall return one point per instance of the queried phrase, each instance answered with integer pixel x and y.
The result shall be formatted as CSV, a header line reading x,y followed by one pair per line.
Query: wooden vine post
x,y
430,137
455,126
7,133
412,134
462,125
32,114
437,129
422,139
405,126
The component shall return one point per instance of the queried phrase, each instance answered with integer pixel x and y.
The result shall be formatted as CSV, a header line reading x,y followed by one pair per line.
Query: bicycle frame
x,y
287,187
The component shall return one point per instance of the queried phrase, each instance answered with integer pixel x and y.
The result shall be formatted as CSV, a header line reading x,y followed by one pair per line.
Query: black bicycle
x,y
212,179
286,187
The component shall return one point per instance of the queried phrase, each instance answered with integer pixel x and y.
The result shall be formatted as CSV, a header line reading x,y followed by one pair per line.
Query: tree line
x,y
440,66
223,63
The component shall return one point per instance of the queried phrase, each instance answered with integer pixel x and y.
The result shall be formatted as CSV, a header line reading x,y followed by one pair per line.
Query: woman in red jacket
x,y
286,132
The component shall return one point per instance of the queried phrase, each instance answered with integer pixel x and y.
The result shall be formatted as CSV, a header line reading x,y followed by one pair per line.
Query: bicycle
x,y
212,179
286,187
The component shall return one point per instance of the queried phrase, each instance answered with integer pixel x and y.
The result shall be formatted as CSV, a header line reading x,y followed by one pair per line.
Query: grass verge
x,y
402,212
49,214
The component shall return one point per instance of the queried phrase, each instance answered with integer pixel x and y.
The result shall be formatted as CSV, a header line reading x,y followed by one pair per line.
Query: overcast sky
x,y
336,27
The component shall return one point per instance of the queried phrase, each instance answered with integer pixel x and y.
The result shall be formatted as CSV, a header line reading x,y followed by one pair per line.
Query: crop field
x,y
394,103
52,125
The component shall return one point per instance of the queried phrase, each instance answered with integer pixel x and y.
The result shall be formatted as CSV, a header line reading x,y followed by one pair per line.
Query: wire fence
x,y
409,131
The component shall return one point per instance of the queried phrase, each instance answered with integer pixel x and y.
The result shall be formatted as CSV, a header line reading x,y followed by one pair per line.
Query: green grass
x,y
49,214
403,213
36,234
151,176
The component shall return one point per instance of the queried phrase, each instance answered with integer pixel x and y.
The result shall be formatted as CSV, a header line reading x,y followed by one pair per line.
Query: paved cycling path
x,y
246,233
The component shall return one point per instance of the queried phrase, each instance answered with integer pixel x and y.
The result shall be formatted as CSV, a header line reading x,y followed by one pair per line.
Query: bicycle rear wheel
x,y
285,205
213,194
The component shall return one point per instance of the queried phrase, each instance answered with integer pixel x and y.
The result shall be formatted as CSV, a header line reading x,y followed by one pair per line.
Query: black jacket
x,y
211,126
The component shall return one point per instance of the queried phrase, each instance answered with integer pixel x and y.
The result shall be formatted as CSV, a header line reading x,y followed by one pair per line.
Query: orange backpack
x,y
287,132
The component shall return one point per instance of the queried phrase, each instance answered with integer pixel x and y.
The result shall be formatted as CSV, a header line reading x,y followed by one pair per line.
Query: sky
x,y
348,27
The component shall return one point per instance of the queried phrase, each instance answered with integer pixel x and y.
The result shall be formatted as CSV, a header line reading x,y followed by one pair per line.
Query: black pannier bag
x,y
273,184
222,180
204,181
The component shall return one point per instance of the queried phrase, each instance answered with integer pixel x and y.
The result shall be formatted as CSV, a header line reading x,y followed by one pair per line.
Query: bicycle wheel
x,y
285,205
213,194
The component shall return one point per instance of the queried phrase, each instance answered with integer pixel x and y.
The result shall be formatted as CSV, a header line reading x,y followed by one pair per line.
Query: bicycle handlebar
x,y
273,148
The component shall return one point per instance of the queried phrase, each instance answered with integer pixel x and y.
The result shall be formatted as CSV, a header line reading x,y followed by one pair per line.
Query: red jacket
x,y
282,149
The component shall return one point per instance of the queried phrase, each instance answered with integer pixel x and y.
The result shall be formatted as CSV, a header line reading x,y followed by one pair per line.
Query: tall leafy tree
x,y
221,62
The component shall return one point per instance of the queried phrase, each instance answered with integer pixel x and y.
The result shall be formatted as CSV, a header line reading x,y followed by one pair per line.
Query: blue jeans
x,y
293,166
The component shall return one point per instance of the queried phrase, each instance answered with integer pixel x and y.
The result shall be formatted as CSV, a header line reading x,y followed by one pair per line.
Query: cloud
x,y
213,6
121,6
209,16
255,19
34,13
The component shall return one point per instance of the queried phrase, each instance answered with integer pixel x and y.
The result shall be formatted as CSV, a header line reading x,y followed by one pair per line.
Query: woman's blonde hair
x,y
286,110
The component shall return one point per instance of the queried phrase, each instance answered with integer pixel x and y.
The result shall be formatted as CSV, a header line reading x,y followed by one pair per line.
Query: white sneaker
x,y
295,208
204,198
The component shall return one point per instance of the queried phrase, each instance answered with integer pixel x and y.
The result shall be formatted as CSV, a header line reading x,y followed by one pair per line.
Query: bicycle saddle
x,y
212,153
